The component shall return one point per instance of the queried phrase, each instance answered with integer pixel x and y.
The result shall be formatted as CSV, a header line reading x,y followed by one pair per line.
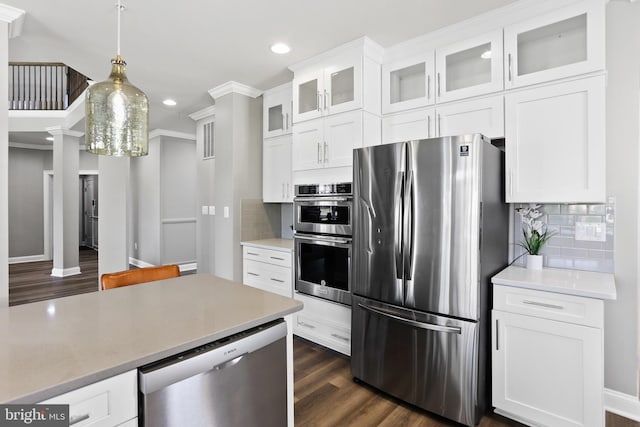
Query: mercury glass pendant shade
x,y
117,116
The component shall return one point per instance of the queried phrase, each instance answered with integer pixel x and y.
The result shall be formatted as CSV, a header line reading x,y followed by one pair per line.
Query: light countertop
x,y
563,281
284,245
51,347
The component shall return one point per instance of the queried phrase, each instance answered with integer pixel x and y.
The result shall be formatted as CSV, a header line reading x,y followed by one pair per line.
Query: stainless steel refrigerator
x,y
430,228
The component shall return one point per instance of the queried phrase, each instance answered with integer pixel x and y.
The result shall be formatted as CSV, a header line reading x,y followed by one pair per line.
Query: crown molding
x,y
14,17
171,134
363,46
44,147
59,130
204,113
234,87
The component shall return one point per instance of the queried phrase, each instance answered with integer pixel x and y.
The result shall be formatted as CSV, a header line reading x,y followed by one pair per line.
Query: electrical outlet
x,y
212,210
205,210
226,211
591,231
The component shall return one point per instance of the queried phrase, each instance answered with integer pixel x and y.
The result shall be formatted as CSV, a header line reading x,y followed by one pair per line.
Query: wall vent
x,y
209,146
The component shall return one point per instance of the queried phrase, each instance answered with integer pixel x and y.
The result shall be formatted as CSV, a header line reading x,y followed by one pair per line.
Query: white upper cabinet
x,y
276,111
408,83
308,89
555,143
563,43
276,170
470,67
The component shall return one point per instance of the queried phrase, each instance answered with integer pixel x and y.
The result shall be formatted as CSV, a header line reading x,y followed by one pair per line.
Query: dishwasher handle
x,y
215,356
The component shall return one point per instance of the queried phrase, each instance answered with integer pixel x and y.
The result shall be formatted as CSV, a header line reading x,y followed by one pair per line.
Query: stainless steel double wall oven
x,y
322,223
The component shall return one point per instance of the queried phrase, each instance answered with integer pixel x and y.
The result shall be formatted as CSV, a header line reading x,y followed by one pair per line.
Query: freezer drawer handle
x,y
542,304
277,280
421,325
340,337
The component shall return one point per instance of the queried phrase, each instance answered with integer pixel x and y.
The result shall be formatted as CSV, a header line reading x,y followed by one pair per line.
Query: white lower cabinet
x,y
267,269
547,358
107,403
485,116
324,322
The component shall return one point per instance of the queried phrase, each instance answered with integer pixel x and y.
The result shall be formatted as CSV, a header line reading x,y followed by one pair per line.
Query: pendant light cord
x,y
118,28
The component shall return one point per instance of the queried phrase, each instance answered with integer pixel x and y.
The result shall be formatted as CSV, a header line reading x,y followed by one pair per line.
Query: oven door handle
x,y
322,199
323,239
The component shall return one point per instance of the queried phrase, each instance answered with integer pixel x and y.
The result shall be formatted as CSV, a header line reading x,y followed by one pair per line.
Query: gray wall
x,y
4,166
623,114
205,175
26,220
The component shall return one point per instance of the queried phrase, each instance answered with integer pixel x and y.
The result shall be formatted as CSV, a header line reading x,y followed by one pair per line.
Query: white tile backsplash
x,y
562,250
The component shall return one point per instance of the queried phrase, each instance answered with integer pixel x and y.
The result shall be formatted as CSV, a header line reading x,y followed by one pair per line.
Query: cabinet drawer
x,y
324,322
548,305
268,277
106,403
267,255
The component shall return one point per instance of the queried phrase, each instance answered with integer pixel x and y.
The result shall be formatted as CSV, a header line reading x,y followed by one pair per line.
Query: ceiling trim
x,y
30,146
14,17
363,45
171,134
204,113
59,130
234,87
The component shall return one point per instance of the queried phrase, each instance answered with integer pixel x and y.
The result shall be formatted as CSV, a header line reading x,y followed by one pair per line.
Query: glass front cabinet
x,y
408,83
276,111
564,43
469,68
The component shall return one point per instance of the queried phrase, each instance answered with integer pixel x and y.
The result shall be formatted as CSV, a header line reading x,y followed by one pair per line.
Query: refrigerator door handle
x,y
408,226
397,244
414,323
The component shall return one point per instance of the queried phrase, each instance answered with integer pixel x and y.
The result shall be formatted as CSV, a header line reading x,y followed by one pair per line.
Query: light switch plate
x,y
591,231
205,210
226,211
212,210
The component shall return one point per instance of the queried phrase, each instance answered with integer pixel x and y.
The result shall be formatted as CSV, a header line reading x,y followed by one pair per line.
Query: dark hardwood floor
x,y
325,394
32,281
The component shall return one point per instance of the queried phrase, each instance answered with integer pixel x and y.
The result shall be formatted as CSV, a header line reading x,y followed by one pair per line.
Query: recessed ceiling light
x,y
49,138
169,102
486,54
280,48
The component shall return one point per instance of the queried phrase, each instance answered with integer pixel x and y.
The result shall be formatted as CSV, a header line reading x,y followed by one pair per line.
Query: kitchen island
x,y
52,347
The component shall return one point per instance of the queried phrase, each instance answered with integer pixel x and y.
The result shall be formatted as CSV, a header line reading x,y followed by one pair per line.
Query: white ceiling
x,y
181,49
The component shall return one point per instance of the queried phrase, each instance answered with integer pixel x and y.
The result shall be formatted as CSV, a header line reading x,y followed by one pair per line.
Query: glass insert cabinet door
x,y
343,86
470,67
567,42
307,96
408,83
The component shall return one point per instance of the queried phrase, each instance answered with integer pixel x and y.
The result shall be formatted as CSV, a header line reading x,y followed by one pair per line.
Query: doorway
x,y
89,211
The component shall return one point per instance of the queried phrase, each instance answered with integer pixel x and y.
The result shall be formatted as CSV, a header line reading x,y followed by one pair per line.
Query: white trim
x,y
286,87
234,87
75,111
59,130
177,220
37,114
28,258
361,45
188,267
622,404
65,272
171,134
14,17
204,113
139,263
31,146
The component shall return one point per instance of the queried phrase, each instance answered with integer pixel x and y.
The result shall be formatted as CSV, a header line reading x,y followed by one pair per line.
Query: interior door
x,y
377,235
441,245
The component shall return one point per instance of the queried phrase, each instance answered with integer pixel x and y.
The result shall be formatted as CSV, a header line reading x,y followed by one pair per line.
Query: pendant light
x,y
117,113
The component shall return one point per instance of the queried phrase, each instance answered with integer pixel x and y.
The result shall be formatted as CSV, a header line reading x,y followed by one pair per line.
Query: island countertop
x,y
52,347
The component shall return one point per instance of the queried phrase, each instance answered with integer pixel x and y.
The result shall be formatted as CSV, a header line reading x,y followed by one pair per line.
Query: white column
x,y
66,221
11,20
113,202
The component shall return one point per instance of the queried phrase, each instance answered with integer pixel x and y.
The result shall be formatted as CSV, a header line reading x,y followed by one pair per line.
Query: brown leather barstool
x,y
138,275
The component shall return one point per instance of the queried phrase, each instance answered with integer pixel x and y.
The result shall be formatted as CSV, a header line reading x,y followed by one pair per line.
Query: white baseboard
x,y
622,404
183,267
29,258
64,272
189,266
139,263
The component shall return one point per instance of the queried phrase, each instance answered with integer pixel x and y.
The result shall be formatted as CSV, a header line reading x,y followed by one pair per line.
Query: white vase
x,y
534,262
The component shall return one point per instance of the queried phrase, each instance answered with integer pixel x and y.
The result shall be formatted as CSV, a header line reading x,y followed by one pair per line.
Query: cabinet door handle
x,y
497,334
318,152
438,84
543,304
253,274
428,87
428,126
277,280
278,258
287,190
326,99
439,126
253,253
326,152
286,121
305,325
283,190
319,104
75,419
340,337
509,65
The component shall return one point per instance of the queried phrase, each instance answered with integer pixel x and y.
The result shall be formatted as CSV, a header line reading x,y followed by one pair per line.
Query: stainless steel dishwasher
x,y
240,380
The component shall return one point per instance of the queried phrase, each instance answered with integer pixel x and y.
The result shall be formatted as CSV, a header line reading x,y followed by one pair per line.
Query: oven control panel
x,y
343,188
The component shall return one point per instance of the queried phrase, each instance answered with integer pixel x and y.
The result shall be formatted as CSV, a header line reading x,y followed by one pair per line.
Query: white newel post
x,y
11,20
66,159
